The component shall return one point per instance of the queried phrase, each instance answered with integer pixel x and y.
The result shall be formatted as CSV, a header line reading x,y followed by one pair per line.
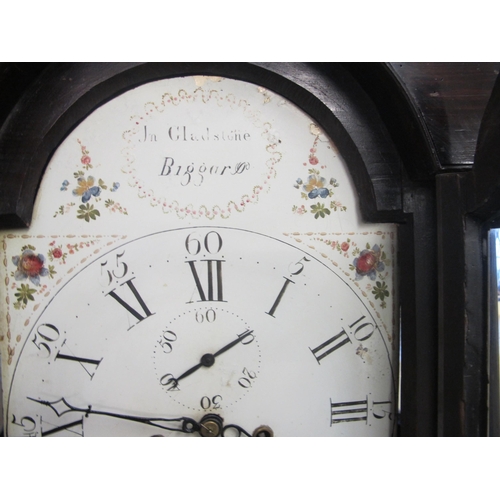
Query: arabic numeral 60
x,y
212,243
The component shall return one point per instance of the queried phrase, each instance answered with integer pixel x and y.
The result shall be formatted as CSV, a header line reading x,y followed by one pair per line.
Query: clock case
x,y
366,109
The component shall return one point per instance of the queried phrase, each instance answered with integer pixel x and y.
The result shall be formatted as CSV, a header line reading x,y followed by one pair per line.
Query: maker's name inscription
x,y
184,133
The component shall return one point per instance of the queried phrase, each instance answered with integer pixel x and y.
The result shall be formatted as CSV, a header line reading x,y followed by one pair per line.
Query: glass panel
x,y
494,282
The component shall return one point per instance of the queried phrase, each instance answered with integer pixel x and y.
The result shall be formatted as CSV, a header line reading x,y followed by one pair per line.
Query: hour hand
x,y
210,425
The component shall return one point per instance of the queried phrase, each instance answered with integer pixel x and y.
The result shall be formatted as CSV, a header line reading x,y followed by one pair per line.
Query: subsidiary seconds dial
x,y
201,321
207,358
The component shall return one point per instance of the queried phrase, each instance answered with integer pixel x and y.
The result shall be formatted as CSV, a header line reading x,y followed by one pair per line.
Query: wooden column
x,y
462,378
418,298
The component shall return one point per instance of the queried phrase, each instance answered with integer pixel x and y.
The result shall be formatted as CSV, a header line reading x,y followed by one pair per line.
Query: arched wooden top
x,y
65,93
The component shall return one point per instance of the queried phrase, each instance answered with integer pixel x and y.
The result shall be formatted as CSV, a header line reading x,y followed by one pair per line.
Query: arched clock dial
x,y
197,266
201,321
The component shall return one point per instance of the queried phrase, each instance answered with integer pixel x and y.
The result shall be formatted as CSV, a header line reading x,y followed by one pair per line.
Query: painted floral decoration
x,y
30,266
85,159
23,294
344,246
369,263
88,189
316,186
56,253
380,290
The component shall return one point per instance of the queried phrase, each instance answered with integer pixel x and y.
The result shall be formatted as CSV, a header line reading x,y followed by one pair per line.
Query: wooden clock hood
x,y
422,141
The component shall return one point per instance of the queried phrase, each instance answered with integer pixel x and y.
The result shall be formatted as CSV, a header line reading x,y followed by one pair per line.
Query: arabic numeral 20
x,y
247,380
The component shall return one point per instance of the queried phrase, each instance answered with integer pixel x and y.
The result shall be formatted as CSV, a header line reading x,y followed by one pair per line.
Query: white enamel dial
x,y
290,345
197,265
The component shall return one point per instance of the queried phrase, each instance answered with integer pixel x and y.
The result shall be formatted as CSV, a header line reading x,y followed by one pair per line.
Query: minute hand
x,y
207,360
241,337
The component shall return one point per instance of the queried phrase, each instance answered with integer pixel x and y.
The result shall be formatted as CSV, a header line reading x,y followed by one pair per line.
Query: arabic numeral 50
x,y
166,341
45,333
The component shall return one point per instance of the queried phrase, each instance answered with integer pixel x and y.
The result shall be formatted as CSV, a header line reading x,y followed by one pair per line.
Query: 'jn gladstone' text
x,y
205,134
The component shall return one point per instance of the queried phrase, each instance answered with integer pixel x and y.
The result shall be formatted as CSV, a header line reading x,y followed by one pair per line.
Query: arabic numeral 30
x,y
206,403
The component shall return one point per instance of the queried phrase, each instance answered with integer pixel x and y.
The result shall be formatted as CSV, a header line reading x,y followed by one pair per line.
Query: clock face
x,y
197,266
202,319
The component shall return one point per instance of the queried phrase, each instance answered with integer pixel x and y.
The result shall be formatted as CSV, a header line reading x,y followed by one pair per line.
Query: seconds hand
x,y
208,360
